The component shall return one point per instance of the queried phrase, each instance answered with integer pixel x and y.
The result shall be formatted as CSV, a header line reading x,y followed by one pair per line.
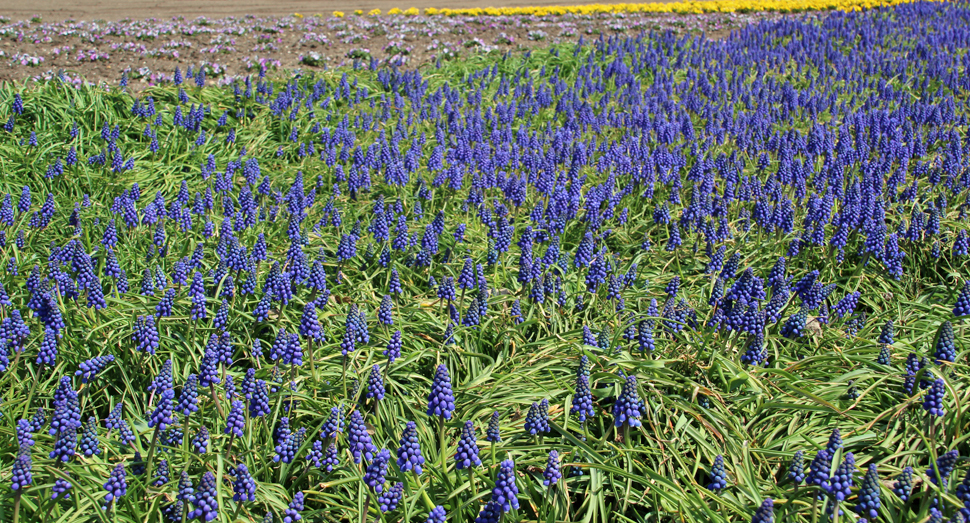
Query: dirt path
x,y
57,10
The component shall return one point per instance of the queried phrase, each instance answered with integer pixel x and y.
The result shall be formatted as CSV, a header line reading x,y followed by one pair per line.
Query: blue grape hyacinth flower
x,y
933,401
868,502
409,456
292,513
718,475
551,474
116,486
903,486
468,452
796,469
205,499
493,433
376,471
626,411
437,515
441,400
505,493
765,512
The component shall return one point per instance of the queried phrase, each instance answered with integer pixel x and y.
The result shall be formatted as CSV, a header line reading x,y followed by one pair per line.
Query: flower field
x,y
649,277
711,6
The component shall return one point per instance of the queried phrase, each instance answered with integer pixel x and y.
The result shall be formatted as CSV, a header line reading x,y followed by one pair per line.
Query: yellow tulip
x,y
707,6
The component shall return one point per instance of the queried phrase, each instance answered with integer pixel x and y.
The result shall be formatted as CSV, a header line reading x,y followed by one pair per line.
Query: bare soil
x,y
88,47
113,10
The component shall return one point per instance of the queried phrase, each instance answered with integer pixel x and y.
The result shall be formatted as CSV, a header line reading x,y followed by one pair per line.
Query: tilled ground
x,y
231,47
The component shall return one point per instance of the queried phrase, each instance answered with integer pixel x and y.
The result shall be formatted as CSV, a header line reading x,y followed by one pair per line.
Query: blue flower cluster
x,y
303,261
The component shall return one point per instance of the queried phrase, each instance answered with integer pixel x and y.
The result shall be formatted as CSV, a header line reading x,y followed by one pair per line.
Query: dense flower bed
x,y
715,6
652,278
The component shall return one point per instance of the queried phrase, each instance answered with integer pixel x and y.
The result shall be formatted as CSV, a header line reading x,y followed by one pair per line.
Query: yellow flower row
x,y
708,6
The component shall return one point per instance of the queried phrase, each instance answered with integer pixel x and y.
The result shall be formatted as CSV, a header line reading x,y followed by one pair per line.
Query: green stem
x,y
13,369
215,399
293,370
442,449
427,499
33,389
16,506
304,475
185,443
313,369
151,451
492,445
545,504
629,467
377,416
343,376
363,513
461,302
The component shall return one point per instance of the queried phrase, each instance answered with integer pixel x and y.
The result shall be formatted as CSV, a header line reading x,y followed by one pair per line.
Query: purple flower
x,y
441,400
626,410
359,439
552,474
377,470
505,492
409,453
467,454
292,513
205,499
116,485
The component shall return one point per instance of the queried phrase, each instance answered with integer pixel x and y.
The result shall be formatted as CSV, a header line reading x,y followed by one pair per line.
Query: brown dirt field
x,y
96,40
137,9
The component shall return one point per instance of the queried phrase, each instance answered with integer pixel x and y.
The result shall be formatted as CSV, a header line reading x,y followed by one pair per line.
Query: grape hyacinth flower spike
x,y
765,513
437,515
582,404
868,503
116,486
962,305
441,400
626,411
946,344
933,401
376,471
718,475
409,456
903,486
441,404
796,469
552,474
467,454
944,466
204,499
505,493
292,513
537,420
